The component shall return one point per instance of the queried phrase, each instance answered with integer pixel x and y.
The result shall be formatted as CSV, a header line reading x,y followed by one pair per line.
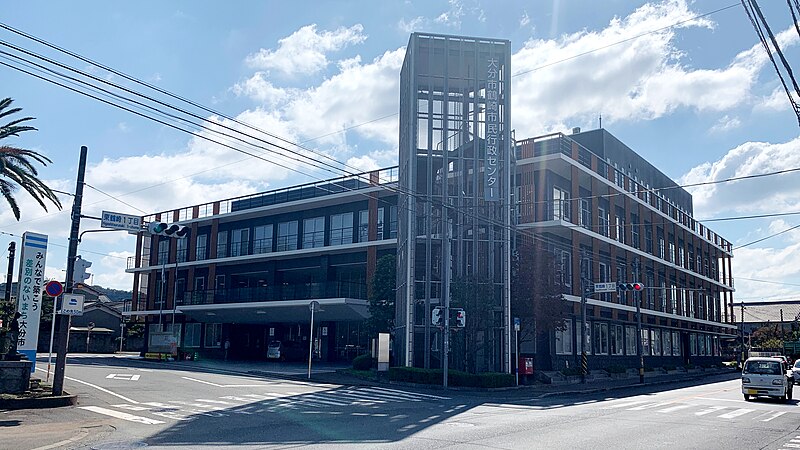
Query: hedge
x,y
362,362
455,377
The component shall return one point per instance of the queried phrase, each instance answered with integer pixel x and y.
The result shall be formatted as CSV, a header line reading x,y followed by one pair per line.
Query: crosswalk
x,y
699,410
356,398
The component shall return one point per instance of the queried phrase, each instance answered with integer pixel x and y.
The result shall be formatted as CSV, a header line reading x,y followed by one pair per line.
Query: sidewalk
x,y
323,372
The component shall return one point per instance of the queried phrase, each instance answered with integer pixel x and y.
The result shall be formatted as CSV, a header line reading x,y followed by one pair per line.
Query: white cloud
x,y
641,79
415,24
758,195
525,20
262,90
305,50
452,17
725,123
776,101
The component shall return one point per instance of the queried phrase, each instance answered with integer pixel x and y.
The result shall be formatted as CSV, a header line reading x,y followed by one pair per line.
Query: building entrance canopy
x,y
287,311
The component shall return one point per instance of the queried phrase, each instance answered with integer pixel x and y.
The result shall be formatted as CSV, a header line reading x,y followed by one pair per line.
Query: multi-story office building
x,y
607,215
464,192
249,267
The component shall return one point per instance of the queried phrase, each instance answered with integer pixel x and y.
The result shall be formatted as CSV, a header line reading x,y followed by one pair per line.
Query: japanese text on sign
x,y
491,162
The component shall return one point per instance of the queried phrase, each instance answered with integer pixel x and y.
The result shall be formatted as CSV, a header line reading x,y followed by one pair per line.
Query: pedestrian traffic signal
x,y
461,318
79,274
436,316
630,286
167,229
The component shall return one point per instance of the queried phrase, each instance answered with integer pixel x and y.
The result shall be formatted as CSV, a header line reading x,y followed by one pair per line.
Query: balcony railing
x,y
304,291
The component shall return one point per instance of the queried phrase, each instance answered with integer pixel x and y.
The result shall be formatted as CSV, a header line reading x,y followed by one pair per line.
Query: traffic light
x,y
630,287
461,318
167,229
436,316
79,274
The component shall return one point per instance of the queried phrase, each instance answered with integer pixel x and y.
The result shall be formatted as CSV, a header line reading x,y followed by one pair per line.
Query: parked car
x,y
766,377
796,372
286,351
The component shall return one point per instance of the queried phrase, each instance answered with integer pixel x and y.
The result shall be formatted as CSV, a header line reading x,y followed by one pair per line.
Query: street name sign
x,y
605,287
119,221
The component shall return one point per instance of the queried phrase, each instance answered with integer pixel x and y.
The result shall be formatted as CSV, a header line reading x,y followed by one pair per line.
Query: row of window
x,y
603,338
286,236
212,338
666,249
688,302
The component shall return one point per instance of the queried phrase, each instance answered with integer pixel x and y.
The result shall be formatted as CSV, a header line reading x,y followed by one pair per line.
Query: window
x,y
219,282
676,344
681,255
560,204
645,341
163,251
605,277
648,238
287,236
314,232
392,222
564,339
655,339
200,250
182,244
671,252
222,244
363,225
630,340
616,339
180,290
240,242
635,231
200,284
380,224
602,221
667,343
600,338
673,301
661,247
693,344
620,225
586,215
213,335
191,337
341,229
565,272
262,242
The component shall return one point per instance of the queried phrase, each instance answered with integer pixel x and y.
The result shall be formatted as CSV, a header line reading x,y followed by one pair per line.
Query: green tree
x,y
17,164
477,297
536,296
381,296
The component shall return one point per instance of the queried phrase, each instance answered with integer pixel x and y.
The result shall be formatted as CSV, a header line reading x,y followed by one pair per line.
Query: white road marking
x,y
223,385
123,376
626,404
415,394
709,410
98,388
674,408
736,413
649,405
788,445
777,414
121,415
215,401
131,407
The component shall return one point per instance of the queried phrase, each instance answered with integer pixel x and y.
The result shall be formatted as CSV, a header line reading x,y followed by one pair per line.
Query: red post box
x,y
526,366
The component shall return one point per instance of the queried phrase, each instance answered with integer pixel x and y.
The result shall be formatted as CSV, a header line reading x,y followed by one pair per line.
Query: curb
x,y
632,385
39,402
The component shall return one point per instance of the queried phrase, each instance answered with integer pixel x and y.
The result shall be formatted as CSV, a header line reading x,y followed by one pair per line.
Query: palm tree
x,y
16,164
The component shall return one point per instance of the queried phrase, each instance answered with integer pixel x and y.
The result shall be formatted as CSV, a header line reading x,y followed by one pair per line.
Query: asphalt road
x,y
128,403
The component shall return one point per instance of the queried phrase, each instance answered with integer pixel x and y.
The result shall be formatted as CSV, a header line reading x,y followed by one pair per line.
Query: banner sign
x,y
29,294
491,162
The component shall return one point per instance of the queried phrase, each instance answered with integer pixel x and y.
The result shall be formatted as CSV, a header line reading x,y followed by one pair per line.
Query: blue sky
x,y
699,99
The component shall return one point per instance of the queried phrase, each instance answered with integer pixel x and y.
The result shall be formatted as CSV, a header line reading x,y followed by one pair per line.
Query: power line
x,y
767,237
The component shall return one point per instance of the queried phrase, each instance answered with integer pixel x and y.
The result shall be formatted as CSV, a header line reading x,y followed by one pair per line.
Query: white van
x,y
765,377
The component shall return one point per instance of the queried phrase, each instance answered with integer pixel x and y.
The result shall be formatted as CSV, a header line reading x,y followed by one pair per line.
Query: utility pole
x,y
72,252
741,330
12,246
584,284
446,298
638,301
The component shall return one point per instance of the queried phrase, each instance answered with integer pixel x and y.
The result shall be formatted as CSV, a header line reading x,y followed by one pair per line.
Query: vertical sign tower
x,y
29,295
454,202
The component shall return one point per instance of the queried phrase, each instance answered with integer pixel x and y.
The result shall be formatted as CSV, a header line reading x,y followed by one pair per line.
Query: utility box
x,y
525,366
